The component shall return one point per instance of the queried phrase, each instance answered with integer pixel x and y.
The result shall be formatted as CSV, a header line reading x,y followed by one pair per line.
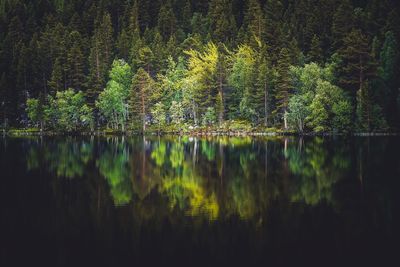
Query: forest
x,y
329,66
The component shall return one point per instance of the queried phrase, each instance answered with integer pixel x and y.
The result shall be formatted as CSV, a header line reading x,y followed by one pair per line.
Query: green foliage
x,y
159,115
242,79
112,102
34,110
141,95
68,111
245,59
369,114
113,165
322,115
176,113
202,67
298,112
318,104
209,117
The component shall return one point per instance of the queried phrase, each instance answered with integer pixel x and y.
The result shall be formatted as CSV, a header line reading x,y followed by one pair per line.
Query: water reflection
x,y
192,199
201,177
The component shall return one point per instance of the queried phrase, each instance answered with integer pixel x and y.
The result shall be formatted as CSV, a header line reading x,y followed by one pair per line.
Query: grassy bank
x,y
195,131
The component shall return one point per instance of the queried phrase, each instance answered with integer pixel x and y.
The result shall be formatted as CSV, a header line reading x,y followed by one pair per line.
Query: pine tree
x,y
140,97
222,21
255,20
342,23
57,82
166,20
134,19
273,27
358,65
159,57
76,62
100,57
369,114
187,17
201,76
283,85
389,73
123,44
263,84
315,54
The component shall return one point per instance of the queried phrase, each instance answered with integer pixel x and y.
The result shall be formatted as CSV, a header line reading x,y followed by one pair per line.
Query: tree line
x,y
321,66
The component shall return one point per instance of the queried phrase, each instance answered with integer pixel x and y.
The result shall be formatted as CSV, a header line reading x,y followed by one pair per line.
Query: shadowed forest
x,y
329,66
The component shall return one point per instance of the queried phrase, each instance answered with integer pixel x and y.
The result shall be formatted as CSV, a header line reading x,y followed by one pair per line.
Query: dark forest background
x,y
204,62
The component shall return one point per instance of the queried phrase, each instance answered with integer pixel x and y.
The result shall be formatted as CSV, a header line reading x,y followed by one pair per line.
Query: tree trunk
x,y
285,119
265,105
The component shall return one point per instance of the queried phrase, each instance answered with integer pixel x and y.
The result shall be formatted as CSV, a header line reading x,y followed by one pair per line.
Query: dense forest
x,y
292,65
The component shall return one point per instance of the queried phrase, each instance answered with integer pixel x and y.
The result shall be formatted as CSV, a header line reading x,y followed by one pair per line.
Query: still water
x,y
138,201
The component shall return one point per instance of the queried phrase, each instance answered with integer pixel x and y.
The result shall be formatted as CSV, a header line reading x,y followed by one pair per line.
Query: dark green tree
x,y
283,86
101,54
166,20
315,54
76,62
342,23
357,64
222,22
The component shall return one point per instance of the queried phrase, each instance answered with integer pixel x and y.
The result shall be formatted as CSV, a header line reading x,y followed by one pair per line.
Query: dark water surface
x,y
170,201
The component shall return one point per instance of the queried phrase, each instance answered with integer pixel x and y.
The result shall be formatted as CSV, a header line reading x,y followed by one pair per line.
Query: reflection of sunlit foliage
x,y
187,194
208,149
32,160
204,177
317,169
243,198
158,154
176,155
113,165
245,160
69,158
234,141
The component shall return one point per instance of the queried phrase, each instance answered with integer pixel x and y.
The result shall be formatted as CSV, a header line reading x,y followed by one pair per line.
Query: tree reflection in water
x,y
209,178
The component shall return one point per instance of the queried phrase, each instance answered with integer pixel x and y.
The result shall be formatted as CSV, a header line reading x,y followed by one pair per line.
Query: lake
x,y
143,201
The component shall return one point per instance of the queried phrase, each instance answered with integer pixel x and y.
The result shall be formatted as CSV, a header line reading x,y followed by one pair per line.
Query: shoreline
x,y
210,133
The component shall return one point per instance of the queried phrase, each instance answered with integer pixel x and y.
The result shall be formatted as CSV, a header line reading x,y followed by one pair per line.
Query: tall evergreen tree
x,y
273,16
358,65
342,23
389,72
57,82
283,86
76,62
166,20
140,97
255,19
315,54
222,21
100,58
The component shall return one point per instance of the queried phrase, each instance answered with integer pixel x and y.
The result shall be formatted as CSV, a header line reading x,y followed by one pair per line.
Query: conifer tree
x,y
315,54
273,27
76,62
255,19
134,19
140,97
202,67
166,20
283,86
57,83
222,21
342,23
123,44
358,65
101,53
389,72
